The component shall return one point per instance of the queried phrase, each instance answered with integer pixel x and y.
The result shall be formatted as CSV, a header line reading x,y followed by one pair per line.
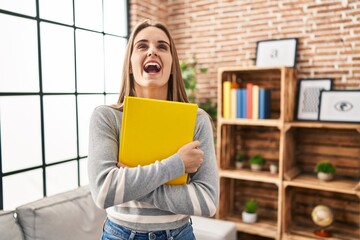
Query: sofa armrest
x,y
9,227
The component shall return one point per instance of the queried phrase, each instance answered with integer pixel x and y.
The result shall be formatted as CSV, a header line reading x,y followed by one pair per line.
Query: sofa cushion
x,y
213,229
9,227
69,215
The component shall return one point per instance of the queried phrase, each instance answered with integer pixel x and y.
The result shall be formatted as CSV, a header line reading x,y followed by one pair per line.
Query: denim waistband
x,y
121,230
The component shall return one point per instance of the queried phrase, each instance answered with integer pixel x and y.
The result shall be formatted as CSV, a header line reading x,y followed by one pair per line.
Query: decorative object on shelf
x,y
323,217
256,162
340,106
308,94
325,170
273,168
276,52
249,214
239,160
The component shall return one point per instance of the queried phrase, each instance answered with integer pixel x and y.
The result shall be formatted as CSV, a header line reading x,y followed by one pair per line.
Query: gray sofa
x,y
72,215
68,215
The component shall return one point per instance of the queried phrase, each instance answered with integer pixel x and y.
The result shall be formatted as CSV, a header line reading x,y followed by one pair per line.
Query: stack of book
x,y
251,102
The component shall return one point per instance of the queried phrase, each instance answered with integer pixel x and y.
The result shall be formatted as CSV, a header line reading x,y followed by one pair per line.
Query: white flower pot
x,y
255,167
325,176
273,169
239,165
249,217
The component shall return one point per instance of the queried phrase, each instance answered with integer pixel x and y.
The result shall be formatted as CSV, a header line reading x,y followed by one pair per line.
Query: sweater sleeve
x,y
200,196
111,185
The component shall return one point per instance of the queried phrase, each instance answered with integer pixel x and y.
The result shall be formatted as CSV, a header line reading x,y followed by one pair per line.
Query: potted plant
x,y
256,162
325,170
239,160
249,214
189,70
273,168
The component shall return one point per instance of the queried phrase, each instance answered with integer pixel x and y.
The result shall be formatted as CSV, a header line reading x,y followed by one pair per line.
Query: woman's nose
x,y
152,52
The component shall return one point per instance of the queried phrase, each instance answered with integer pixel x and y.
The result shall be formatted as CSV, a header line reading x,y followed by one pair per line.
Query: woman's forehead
x,y
153,34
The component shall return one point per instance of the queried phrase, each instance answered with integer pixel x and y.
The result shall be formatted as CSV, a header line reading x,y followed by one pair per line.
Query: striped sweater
x,y
137,198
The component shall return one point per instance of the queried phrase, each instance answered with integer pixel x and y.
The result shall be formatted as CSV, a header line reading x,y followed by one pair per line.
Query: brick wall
x,y
225,32
148,9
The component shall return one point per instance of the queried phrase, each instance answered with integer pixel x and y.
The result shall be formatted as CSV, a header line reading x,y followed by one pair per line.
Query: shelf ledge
x,y
250,122
336,185
264,228
317,124
261,176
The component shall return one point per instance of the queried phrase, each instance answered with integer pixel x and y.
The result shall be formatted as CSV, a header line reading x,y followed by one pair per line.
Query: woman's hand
x,y
119,165
192,156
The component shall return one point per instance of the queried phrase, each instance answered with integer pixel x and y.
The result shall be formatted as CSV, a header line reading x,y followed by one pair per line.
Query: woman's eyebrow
x,y
141,41
145,41
162,41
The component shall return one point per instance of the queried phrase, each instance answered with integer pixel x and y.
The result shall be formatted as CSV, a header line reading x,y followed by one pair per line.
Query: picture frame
x,y
308,97
340,106
276,52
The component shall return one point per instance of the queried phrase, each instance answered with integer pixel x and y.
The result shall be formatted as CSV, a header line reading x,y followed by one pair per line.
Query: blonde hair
x,y
176,87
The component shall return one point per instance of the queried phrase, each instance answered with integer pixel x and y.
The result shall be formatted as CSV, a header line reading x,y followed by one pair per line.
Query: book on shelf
x,y
250,102
264,103
233,105
255,102
154,130
226,99
238,103
241,103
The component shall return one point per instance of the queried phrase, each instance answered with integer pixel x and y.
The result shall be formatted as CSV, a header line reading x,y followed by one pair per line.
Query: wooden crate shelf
x,y
296,146
235,192
274,78
307,146
300,203
250,140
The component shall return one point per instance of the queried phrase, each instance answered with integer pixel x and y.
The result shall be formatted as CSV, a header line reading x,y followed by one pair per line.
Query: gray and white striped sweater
x,y
137,198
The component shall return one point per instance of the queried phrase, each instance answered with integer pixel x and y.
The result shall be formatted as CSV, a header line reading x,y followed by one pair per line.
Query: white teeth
x,y
153,64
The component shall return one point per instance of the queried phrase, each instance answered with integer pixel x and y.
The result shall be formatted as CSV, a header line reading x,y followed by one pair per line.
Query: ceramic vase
x,y
239,165
325,176
273,169
249,217
256,167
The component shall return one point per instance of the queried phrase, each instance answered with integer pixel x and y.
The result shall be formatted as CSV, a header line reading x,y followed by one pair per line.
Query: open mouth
x,y
152,67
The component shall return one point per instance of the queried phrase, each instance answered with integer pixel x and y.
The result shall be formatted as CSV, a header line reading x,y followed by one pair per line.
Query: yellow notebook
x,y
154,130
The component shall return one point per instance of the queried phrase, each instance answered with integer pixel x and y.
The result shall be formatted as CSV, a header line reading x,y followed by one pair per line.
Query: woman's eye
x,y
142,46
163,46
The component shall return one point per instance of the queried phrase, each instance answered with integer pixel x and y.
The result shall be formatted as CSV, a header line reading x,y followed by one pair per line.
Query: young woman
x,y
138,203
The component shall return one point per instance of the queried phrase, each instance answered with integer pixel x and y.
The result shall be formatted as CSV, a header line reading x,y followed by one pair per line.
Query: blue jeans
x,y
113,231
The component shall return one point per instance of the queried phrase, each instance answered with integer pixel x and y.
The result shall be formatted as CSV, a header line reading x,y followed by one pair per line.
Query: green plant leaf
x,y
257,159
251,206
325,167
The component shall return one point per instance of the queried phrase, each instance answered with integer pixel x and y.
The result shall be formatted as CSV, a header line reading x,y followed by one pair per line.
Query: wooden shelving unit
x,y
286,199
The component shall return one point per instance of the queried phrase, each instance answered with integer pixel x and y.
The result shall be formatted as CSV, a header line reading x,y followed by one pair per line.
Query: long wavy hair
x,y
176,87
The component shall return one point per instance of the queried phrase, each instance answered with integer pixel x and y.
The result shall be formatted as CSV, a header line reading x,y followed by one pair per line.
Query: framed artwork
x,y
340,106
308,95
281,52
